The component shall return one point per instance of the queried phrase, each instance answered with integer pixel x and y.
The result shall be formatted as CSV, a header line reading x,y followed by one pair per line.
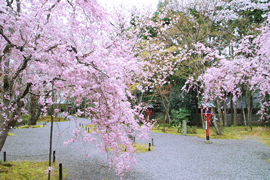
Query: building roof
x,y
206,104
150,106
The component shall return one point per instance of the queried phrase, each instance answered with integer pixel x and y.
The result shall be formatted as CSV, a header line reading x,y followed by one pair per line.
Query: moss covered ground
x,y
260,133
24,170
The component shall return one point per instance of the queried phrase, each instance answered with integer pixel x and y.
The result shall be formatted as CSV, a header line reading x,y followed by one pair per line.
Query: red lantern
x,y
207,112
148,111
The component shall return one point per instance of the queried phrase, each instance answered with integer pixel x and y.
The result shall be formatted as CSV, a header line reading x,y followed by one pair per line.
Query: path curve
x,y
174,157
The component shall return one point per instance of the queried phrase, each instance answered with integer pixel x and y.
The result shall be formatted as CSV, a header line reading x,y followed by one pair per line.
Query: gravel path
x,y
174,157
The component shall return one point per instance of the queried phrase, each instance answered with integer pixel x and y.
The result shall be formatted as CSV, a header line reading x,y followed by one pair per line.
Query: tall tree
x,y
72,45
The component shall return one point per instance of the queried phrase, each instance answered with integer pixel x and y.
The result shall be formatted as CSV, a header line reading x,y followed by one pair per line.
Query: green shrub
x,y
178,117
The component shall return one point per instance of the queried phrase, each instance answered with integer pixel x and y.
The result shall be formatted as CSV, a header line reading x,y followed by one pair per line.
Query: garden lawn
x,y
17,170
48,119
260,133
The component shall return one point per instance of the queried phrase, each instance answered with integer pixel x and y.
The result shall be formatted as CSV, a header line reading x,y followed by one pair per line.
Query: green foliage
x,y
181,114
192,129
25,120
178,117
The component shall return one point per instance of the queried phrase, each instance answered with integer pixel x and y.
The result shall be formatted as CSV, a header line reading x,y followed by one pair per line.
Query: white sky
x,y
130,3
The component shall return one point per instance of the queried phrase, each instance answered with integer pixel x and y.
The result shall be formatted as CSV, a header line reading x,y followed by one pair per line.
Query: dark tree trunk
x,y
215,123
197,114
35,111
225,114
243,111
235,113
231,109
249,109
220,113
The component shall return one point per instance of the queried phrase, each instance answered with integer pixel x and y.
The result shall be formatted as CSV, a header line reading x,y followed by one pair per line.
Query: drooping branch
x,y
88,64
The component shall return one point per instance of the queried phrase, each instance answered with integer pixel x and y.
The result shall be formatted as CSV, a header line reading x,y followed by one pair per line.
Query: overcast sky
x,y
137,3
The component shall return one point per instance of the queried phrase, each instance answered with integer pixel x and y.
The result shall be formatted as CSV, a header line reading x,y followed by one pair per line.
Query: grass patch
x,y
235,132
91,128
48,119
138,148
30,126
26,118
141,148
268,160
18,170
11,134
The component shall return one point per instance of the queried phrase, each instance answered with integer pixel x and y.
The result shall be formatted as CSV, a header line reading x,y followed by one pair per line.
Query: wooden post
x,y
5,156
184,127
60,172
152,142
53,156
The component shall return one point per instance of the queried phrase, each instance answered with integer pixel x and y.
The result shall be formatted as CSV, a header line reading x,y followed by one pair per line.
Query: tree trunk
x,y
249,109
167,115
33,110
225,113
164,120
197,115
231,109
202,117
243,110
235,113
4,132
241,116
215,123
220,113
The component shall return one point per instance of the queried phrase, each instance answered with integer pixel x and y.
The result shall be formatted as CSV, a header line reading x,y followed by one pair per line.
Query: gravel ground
x,y
174,157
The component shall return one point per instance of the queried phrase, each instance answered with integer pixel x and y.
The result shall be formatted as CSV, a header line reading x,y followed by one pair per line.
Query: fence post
x,y
60,171
152,142
5,156
53,156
